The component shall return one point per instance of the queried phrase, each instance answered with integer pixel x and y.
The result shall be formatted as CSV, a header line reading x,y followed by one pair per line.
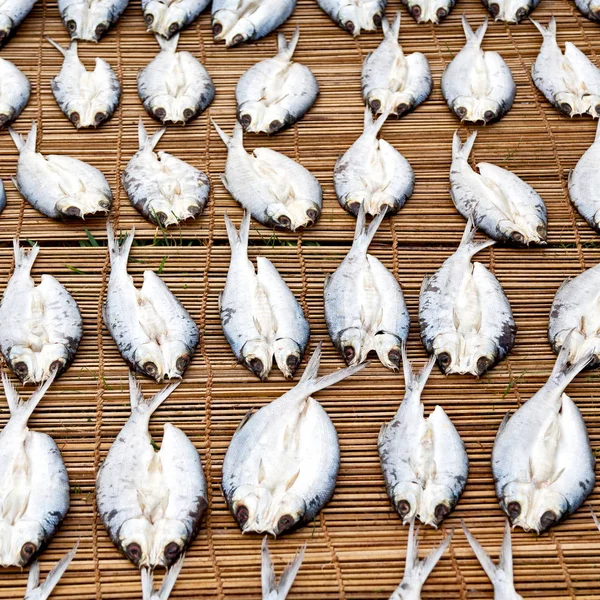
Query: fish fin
x,y
24,257
246,418
382,431
460,150
363,233
136,396
288,48
169,45
503,423
119,252
547,32
326,281
15,183
53,577
412,381
267,573
224,137
238,239
144,141
62,50
24,408
286,580
147,583
371,125
313,383
474,37
564,371
594,517
393,30
482,556
170,578
25,144
34,578
469,234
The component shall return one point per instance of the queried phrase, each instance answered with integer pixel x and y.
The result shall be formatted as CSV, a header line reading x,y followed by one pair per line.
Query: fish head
x,y
513,11
241,31
288,511
87,21
21,542
480,355
379,201
6,27
288,356
351,344
170,539
53,357
7,112
136,541
477,110
88,113
354,199
176,358
149,361
292,216
406,499
429,11
437,502
168,108
575,340
350,18
448,350
164,18
223,22
523,230
77,205
23,362
380,100
569,103
591,105
258,357
389,349
251,116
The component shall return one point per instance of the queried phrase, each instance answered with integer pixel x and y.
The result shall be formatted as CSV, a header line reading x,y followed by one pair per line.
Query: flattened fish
x,y
276,92
12,14
14,91
164,189
355,15
168,17
90,19
40,326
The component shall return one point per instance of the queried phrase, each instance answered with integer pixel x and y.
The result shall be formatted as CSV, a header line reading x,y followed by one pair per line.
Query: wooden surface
x,y
356,546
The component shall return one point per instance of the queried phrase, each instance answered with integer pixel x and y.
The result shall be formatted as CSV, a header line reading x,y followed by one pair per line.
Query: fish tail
x,y
363,234
288,48
16,406
24,257
238,239
412,381
224,137
547,32
474,37
22,143
564,372
287,577
62,50
467,239
119,253
169,45
145,142
460,150
392,31
371,126
168,583
44,590
483,557
136,396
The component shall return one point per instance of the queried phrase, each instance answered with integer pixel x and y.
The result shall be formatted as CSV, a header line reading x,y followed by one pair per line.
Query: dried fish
x,y
14,91
355,15
12,14
168,17
90,19
429,11
589,9
510,11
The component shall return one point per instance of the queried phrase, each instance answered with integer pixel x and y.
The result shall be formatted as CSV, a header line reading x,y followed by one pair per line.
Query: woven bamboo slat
x,y
356,547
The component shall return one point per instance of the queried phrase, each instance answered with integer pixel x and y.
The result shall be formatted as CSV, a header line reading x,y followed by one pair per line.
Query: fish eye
x,y
548,519
71,26
403,507
489,115
237,39
72,211
444,359
597,109
284,523
188,113
256,366
21,369
275,126
104,204
292,362
375,105
415,11
171,551
513,509
134,551
150,369
483,364
312,215
441,512
349,25
284,221
377,20
242,515
173,28
349,353
402,108
56,365
394,356
149,18
517,237
353,207
542,231
75,118
494,9
99,117
217,28
100,30
520,14
566,108
160,113
27,551
441,13
245,120
182,362
461,112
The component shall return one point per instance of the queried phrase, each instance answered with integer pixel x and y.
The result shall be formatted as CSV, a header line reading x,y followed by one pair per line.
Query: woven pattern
x,y
356,547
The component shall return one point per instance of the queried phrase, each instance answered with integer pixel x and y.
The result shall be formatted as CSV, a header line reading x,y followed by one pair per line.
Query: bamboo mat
x,y
356,546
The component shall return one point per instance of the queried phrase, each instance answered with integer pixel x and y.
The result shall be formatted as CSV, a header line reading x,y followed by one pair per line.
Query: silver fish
x,y
151,502
40,326
542,461
276,92
174,86
163,188
34,485
569,81
12,14
37,591
167,585
429,11
500,575
393,82
238,21
589,9
259,314
14,91
355,15
364,304
90,19
372,173
168,17
464,315
501,204
417,571
423,460
154,333
478,86
59,186
270,589
584,184
575,316
510,11
88,98
275,189
282,462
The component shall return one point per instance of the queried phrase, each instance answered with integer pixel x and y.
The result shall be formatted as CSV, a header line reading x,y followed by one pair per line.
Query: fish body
x,y
90,19
423,460
276,92
584,184
417,571
393,82
154,333
174,86
478,86
239,21
260,316
364,304
355,15
14,90
569,81
12,14
575,317
542,461
40,326
34,485
501,204
372,173
589,9
88,98
276,190
59,186
168,17
429,11
151,501
272,590
501,575
282,462
164,188
465,317
510,11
